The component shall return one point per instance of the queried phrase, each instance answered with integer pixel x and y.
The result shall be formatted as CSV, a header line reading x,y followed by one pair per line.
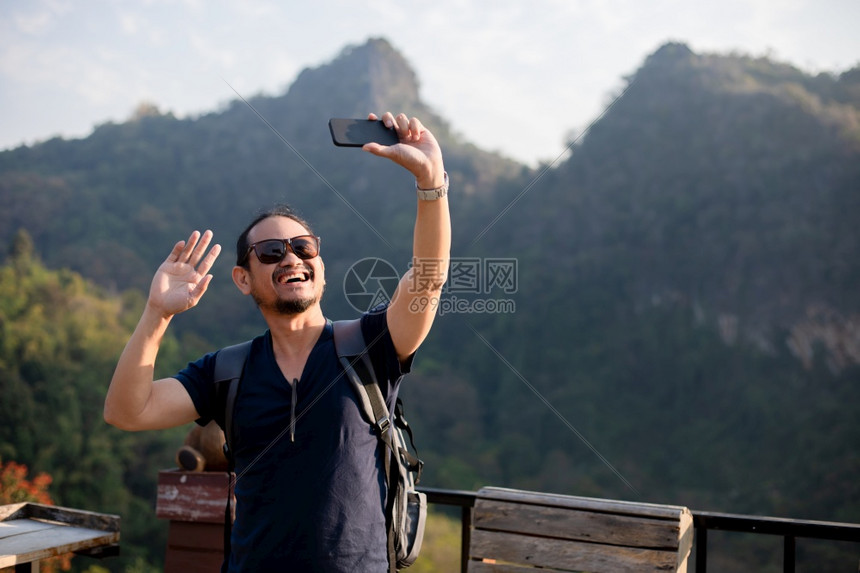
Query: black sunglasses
x,y
273,251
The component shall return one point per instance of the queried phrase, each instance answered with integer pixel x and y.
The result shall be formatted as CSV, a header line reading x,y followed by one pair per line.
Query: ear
x,y
242,279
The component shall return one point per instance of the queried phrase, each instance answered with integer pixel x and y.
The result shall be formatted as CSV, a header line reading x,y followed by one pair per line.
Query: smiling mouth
x,y
293,277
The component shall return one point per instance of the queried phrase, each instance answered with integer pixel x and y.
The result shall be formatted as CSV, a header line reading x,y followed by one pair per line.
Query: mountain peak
x,y
368,76
671,52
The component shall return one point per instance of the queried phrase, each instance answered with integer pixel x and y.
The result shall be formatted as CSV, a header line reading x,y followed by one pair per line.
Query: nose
x,y
290,259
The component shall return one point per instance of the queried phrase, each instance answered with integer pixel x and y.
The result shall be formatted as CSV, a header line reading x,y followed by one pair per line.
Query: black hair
x,y
280,210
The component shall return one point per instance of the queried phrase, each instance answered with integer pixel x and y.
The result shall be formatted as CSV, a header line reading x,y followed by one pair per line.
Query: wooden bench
x,y
520,531
30,532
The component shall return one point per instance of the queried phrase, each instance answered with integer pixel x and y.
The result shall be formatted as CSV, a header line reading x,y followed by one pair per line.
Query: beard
x,y
294,306
289,306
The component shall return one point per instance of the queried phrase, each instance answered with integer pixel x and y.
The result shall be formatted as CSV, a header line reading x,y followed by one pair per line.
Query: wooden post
x,y
194,502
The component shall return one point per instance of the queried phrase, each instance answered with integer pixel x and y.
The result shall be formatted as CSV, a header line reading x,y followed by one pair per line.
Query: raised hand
x,y
183,277
418,150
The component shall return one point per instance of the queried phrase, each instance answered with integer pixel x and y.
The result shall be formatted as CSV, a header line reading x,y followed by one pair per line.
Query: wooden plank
x,y
196,536
567,555
10,511
186,561
192,496
21,526
58,539
194,547
685,545
493,567
76,517
59,514
576,524
670,512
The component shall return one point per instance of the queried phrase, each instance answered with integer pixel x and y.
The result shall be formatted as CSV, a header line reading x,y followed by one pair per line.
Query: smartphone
x,y
357,132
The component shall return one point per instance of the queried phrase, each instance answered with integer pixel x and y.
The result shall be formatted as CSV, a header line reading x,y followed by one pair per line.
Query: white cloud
x,y
34,23
38,18
129,23
222,58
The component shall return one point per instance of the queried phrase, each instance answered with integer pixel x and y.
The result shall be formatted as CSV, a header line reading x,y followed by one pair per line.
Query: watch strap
x,y
433,194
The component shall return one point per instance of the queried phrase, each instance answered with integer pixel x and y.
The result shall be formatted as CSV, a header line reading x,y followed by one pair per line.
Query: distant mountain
x,y
727,182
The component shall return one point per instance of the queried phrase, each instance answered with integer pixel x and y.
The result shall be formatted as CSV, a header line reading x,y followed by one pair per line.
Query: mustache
x,y
289,270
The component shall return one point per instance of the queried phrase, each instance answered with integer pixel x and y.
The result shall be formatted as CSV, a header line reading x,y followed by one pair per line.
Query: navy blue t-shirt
x,y
311,499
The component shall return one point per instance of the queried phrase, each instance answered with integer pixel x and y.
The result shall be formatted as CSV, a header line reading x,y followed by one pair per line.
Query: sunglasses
x,y
273,251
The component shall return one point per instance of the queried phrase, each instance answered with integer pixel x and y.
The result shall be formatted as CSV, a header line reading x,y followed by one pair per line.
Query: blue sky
x,y
515,77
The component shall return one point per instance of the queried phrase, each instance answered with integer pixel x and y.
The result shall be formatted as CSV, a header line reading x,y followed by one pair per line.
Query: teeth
x,y
292,278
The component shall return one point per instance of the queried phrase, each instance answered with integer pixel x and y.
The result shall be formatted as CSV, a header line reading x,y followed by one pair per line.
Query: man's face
x,y
291,286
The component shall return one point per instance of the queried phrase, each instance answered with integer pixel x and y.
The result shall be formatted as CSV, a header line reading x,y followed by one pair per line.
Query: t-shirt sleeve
x,y
197,378
389,370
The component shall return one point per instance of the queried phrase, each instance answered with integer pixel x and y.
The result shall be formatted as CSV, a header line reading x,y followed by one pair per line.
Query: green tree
x,y
60,337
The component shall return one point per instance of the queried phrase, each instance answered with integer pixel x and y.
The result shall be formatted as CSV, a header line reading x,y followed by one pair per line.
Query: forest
x,y
669,312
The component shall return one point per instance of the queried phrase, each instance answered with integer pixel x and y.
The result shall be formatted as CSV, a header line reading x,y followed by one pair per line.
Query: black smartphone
x,y
357,132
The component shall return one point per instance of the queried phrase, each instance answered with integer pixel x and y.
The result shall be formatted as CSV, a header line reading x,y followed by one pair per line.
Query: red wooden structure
x,y
194,502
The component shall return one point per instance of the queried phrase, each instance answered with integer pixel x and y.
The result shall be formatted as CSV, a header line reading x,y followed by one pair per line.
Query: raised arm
x,y
416,299
134,400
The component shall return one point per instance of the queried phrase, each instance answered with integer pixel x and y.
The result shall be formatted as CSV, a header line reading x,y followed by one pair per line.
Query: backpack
x,y
405,507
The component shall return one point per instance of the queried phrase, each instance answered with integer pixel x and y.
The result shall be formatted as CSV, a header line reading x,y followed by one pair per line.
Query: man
x,y
310,488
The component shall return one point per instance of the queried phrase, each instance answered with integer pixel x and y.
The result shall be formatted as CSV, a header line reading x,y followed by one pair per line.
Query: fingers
x,y
193,251
408,129
209,259
377,149
197,251
174,253
182,250
200,289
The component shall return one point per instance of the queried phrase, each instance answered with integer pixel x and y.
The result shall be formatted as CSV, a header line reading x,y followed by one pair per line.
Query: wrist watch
x,y
433,194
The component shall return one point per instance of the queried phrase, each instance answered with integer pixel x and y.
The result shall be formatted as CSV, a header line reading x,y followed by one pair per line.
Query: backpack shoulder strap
x,y
352,353
229,365
348,338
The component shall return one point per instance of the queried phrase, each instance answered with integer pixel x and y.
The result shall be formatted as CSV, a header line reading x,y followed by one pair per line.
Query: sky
x,y
510,76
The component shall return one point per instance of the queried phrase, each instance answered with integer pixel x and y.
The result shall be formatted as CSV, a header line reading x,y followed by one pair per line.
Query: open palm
x,y
183,276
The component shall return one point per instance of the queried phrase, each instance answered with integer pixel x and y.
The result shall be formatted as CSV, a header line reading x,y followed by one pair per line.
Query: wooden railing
x,y
789,529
